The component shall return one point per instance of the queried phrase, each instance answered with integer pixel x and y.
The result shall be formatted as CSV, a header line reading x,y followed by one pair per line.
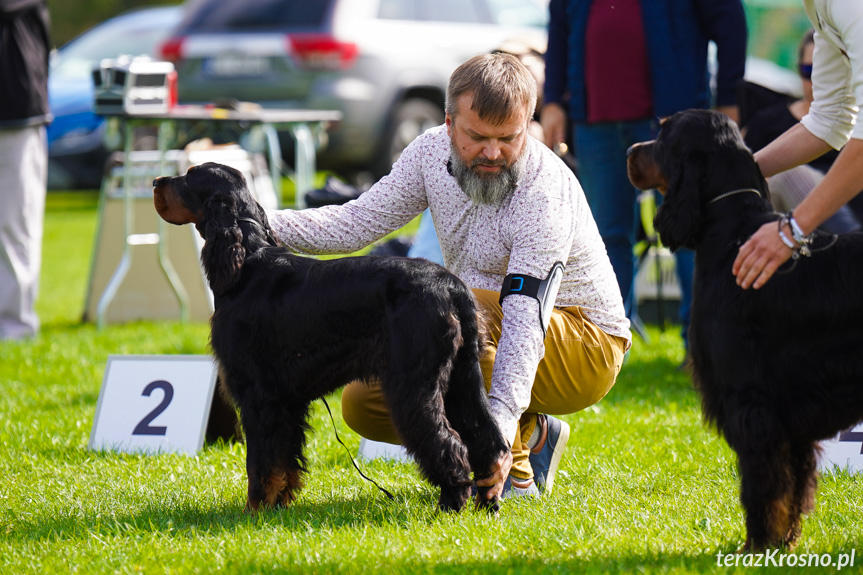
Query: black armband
x,y
544,291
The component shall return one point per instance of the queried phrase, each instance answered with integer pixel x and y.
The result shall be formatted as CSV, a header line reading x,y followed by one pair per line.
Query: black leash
x,y
354,463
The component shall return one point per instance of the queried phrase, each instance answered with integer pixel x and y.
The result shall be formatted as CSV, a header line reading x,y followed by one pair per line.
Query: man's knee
x,y
365,412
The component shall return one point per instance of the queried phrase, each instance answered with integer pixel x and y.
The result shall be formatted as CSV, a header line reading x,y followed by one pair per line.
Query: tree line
x,y
71,17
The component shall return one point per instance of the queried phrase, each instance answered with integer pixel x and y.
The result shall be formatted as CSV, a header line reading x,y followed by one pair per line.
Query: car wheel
x,y
410,119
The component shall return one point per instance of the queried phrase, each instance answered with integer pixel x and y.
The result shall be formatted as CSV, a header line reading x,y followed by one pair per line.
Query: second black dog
x,y
778,368
288,330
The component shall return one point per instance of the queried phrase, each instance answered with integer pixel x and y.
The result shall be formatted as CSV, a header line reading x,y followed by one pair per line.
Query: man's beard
x,y
488,189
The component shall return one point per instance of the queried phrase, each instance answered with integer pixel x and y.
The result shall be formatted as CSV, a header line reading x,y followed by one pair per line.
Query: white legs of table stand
x,y
133,240
305,162
274,155
166,133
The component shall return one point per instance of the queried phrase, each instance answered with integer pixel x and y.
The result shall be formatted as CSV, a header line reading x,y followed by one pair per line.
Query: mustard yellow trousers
x,y
580,366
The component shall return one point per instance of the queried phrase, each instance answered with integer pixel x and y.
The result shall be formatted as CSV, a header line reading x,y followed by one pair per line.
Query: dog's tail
x,y
472,320
467,396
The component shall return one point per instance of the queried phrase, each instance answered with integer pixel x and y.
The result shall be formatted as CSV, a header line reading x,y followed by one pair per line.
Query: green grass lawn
x,y
644,487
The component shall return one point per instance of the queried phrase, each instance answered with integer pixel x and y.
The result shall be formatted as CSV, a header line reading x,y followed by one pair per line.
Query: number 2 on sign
x,y
144,427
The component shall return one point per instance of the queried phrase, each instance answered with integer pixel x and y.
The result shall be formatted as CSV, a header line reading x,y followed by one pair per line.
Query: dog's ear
x,y
678,219
223,252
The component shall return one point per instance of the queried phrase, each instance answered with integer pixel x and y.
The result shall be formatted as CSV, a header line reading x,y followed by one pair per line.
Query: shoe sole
x,y
559,448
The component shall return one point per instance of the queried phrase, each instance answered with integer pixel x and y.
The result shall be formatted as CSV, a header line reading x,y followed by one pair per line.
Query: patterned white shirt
x,y
546,220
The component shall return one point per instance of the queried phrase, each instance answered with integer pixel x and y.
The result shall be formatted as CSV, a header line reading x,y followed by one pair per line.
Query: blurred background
x,y
383,63
775,25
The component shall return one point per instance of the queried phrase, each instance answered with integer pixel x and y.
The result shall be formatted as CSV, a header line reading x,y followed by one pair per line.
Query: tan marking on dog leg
x,y
778,516
294,483
274,485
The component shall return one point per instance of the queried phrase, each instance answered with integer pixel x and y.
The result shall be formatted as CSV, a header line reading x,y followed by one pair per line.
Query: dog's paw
x,y
483,502
453,498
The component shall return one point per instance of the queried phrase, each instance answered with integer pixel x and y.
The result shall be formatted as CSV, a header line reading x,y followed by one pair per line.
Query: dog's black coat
x,y
778,368
288,330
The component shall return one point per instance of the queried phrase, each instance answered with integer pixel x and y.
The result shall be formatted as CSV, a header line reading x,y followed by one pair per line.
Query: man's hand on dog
x,y
500,471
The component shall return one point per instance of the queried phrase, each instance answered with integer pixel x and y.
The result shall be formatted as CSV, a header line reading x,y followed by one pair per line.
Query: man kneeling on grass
x,y
514,225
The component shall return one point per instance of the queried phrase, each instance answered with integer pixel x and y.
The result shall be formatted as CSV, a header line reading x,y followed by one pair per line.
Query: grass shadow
x,y
366,509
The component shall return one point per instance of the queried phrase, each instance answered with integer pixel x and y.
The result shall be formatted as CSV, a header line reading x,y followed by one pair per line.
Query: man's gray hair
x,y
501,85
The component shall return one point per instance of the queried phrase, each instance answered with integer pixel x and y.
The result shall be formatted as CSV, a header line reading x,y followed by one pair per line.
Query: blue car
x,y
76,153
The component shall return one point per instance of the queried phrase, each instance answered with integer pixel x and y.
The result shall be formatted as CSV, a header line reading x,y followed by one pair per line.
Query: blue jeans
x,y
601,153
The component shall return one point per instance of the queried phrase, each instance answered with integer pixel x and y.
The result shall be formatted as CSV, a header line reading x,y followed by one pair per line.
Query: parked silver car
x,y
383,63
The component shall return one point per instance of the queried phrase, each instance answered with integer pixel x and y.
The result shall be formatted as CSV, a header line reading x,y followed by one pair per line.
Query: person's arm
x,y
552,117
830,123
760,257
340,229
541,235
795,147
724,22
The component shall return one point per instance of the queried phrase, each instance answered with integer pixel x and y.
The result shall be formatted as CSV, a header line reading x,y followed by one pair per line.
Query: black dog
x,y
778,368
288,330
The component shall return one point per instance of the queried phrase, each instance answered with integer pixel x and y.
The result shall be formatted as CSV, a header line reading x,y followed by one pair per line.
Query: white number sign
x,y
154,404
844,451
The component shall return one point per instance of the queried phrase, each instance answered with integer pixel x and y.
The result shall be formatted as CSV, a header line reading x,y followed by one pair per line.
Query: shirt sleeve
x,y
541,235
340,229
556,54
837,77
725,23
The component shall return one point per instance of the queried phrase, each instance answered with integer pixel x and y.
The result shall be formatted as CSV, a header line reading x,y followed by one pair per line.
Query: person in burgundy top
x,y
613,67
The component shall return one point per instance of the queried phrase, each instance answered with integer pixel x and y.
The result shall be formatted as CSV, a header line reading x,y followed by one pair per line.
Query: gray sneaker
x,y
514,487
545,457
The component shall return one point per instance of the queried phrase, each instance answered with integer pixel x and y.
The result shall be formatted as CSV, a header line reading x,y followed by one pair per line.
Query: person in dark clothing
x,y
25,44
612,69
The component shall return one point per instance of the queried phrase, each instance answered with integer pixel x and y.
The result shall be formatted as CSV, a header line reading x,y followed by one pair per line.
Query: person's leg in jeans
x,y
684,261
601,152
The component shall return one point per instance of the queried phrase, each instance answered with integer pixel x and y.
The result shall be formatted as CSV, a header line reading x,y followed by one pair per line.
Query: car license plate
x,y
233,65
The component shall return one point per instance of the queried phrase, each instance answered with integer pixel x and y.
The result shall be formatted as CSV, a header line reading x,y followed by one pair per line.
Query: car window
x,y
518,13
449,11
398,10
137,34
229,15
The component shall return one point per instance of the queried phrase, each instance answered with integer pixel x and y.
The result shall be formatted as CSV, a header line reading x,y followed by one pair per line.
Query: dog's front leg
x,y
274,459
804,467
766,492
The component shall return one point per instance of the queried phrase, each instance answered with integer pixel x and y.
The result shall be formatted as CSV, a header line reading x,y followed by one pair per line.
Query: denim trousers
x,y
601,153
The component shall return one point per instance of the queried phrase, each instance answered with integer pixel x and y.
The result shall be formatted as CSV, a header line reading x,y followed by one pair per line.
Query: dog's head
x,y
698,155
211,196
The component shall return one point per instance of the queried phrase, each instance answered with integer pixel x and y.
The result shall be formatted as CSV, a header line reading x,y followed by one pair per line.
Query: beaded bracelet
x,y
796,230
791,245
802,246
